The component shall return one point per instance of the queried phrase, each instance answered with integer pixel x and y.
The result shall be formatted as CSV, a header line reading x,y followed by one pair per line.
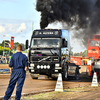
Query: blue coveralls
x,y
18,62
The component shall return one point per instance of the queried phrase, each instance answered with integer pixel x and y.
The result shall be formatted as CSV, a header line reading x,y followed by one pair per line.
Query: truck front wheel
x,y
34,76
77,74
65,73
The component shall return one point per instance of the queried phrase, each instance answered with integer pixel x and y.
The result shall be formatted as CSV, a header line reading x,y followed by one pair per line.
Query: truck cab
x,y
93,52
49,53
93,46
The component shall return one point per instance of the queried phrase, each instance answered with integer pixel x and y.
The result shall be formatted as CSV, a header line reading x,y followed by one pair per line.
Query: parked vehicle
x,y
92,61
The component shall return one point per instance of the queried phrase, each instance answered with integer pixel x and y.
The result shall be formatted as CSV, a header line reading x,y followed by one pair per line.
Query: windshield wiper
x,y
53,53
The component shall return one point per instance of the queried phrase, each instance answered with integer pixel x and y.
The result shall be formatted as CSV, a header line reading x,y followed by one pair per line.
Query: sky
x,y
19,18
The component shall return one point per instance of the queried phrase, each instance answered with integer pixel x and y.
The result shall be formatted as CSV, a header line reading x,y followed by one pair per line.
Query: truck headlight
x,y
32,65
32,51
38,66
41,66
45,66
57,65
30,68
48,66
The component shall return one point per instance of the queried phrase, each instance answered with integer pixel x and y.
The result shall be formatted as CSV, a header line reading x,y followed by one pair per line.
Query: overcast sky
x,y
16,18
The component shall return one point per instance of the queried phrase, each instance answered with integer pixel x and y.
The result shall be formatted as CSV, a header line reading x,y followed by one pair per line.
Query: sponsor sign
x,y
7,44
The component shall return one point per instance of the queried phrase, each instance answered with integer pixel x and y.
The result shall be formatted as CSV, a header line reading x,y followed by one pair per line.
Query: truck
x,y
90,63
93,52
49,54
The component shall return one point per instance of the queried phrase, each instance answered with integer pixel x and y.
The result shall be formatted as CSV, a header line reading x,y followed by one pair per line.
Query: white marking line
x,y
1,96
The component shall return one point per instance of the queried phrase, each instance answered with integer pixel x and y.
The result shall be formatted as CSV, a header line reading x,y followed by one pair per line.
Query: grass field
x,y
67,94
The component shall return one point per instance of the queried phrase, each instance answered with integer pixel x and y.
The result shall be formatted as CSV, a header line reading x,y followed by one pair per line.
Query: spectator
x,y
18,67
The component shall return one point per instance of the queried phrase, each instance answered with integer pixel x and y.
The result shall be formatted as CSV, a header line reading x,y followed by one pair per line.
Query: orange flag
x,y
11,42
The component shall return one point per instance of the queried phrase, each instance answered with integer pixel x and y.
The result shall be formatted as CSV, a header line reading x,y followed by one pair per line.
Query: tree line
x,y
83,54
6,49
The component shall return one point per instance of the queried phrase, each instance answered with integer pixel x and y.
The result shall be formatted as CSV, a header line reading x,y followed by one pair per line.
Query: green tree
x,y
15,45
2,44
23,46
71,52
7,49
76,54
84,54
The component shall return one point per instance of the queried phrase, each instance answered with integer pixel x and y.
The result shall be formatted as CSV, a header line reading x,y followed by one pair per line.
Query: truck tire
x,y
54,76
34,76
77,74
65,72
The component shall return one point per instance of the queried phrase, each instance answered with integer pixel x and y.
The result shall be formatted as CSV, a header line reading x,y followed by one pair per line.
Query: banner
x,y
11,42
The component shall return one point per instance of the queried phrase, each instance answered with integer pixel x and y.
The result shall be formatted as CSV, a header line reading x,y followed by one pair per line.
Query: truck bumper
x,y
45,71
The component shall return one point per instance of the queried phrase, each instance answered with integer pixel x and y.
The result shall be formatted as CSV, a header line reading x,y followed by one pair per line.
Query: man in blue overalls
x,y
18,67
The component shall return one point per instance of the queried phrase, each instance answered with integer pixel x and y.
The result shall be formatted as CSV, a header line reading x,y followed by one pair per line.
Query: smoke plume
x,y
84,15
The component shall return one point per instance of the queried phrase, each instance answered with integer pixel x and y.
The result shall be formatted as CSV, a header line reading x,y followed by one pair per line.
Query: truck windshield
x,y
45,42
93,43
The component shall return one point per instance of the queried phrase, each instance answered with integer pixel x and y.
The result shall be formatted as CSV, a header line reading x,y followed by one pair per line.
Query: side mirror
x,y
64,43
63,40
26,44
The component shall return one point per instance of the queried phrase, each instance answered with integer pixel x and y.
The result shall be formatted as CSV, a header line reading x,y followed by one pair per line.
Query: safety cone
x,y
59,85
94,80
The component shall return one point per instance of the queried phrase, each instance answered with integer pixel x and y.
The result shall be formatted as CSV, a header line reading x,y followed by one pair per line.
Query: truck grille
x,y
44,59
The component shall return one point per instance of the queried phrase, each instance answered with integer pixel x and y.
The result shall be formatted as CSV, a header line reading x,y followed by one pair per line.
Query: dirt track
x,y
40,84
84,93
4,66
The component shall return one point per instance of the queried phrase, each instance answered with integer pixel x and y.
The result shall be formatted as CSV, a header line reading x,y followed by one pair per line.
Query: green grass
x,y
43,96
57,95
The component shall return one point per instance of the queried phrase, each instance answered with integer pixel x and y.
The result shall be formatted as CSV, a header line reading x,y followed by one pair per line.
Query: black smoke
x,y
82,14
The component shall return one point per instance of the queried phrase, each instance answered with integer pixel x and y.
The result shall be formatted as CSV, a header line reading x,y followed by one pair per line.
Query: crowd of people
x,y
4,59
